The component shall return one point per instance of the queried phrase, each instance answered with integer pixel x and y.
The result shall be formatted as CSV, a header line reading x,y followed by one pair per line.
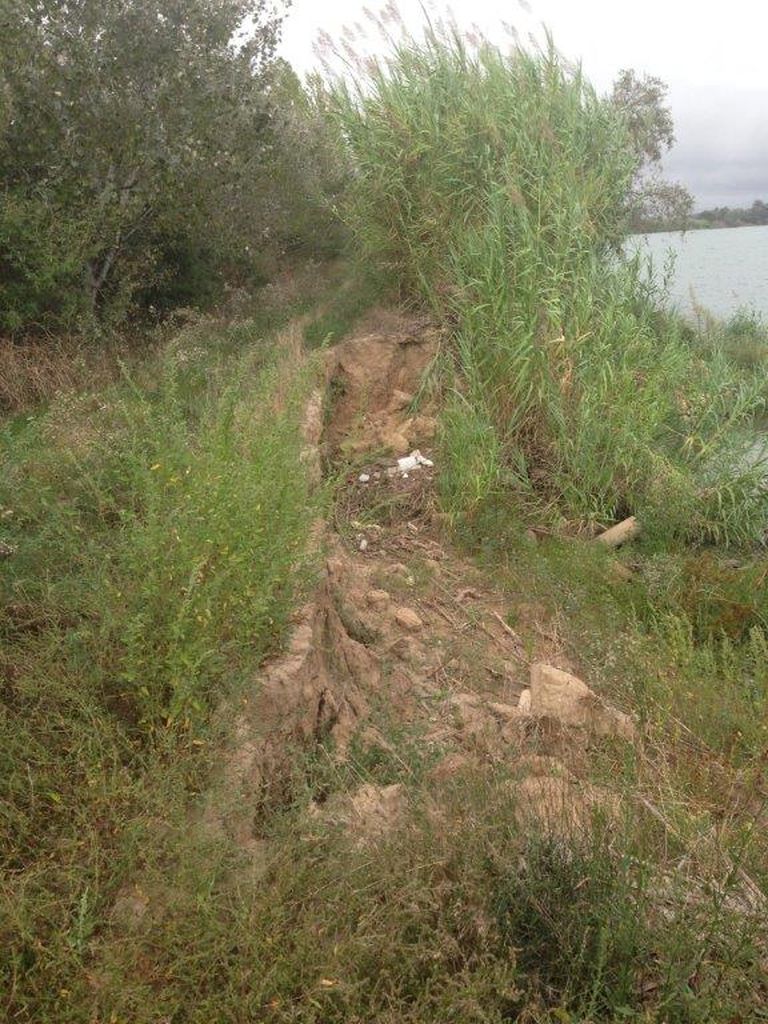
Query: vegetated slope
x,y
389,833
379,825
153,538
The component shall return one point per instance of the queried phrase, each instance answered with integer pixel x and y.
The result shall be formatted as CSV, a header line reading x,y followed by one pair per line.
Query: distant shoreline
x,y
753,216
692,226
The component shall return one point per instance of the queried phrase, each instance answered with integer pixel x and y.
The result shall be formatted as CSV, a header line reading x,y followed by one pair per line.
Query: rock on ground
x,y
560,695
408,619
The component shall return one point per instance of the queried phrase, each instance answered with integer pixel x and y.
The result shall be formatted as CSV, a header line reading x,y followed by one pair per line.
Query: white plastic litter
x,y
363,545
364,478
413,461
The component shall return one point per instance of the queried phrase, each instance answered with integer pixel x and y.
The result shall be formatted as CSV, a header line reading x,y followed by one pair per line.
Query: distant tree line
x,y
733,217
717,217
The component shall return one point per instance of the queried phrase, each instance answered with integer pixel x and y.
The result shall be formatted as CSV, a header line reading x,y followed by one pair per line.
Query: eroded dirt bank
x,y
421,811
402,633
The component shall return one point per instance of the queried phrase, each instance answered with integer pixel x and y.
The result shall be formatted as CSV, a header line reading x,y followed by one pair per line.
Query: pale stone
x,y
565,697
408,619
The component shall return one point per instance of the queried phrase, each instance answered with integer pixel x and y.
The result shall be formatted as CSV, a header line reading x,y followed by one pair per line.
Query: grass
x,y
158,530
349,302
743,337
463,917
653,643
34,371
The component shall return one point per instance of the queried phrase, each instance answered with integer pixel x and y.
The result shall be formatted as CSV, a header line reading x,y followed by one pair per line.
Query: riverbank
x,y
378,823
322,699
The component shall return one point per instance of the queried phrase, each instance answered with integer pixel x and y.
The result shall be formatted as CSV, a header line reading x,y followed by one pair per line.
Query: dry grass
x,y
34,372
38,370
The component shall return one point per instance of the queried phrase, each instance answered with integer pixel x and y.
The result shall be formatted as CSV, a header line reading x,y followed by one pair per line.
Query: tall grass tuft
x,y
494,187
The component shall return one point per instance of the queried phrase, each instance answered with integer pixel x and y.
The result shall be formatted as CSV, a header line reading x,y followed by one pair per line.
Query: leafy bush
x,y
41,262
164,152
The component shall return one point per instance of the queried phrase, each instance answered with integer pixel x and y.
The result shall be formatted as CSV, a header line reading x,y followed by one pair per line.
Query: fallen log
x,y
619,534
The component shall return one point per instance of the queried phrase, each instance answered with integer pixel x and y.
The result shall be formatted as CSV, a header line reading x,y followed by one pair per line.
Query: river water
x,y
722,269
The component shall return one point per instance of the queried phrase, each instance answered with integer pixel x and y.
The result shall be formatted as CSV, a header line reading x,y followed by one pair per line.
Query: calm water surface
x,y
721,269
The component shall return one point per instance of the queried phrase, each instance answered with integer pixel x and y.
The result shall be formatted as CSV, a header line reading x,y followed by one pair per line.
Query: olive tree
x,y
128,129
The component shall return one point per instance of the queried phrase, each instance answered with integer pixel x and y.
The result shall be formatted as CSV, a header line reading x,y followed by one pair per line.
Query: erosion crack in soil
x,y
402,633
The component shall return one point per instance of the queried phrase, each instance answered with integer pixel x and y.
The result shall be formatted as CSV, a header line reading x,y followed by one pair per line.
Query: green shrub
x,y
41,262
164,152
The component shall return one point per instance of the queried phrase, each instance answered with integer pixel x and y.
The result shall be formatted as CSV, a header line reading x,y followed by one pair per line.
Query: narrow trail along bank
x,y
403,635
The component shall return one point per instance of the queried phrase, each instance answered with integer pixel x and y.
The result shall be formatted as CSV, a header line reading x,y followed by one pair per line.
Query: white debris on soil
x,y
364,478
415,460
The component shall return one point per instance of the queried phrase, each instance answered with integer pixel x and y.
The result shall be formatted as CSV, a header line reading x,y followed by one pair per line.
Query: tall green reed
x,y
494,187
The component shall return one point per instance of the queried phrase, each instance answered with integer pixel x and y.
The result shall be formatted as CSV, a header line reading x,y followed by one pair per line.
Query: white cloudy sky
x,y
714,57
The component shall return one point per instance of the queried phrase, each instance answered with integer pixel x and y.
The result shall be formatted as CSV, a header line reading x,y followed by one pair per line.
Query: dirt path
x,y
402,633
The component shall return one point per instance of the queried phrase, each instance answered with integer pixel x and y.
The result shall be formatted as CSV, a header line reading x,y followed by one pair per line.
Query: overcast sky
x,y
714,57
